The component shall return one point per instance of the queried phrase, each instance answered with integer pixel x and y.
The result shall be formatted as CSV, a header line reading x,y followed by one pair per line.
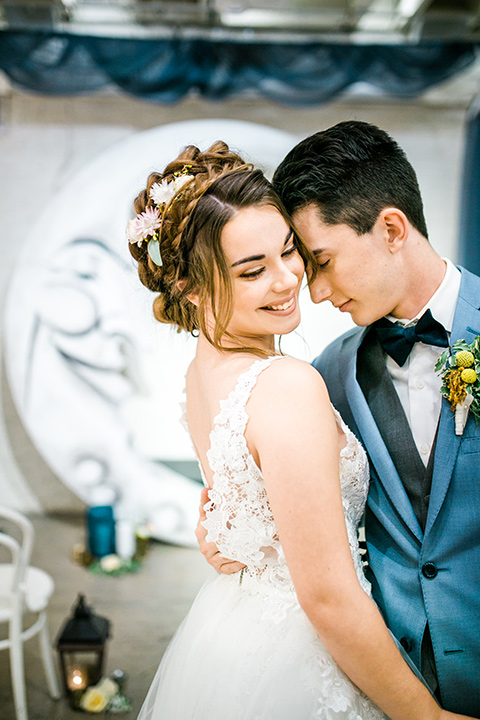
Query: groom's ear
x,y
396,228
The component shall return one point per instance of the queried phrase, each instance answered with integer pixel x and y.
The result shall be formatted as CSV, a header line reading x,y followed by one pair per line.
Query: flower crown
x,y
145,226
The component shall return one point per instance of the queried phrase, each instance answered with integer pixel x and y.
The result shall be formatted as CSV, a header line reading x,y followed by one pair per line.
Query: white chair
x,y
23,589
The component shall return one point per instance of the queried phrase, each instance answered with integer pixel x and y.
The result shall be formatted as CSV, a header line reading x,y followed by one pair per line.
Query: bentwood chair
x,y
23,589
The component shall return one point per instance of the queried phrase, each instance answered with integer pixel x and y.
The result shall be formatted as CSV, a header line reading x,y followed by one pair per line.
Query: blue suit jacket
x,y
398,550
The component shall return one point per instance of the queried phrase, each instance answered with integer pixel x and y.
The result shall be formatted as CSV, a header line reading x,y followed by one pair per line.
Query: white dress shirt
x,y
416,383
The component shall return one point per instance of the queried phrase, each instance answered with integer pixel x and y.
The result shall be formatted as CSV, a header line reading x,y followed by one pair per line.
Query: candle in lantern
x,y
81,645
77,679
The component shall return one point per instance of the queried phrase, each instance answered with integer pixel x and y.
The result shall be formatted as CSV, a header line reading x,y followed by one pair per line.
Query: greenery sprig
x,y
114,566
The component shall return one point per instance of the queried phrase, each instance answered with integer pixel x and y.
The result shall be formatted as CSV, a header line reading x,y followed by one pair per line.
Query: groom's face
x,y
357,273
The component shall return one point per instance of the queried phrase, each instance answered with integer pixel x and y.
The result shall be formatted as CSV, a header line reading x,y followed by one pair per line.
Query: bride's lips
x,y
286,307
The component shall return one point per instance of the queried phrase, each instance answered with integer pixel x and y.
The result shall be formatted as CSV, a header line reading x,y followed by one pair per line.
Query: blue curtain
x,y
469,239
165,70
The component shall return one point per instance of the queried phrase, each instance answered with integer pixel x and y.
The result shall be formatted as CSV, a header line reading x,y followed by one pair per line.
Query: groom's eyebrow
x,y
254,258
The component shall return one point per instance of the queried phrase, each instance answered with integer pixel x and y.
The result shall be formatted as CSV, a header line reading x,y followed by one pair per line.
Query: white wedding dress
x,y
246,650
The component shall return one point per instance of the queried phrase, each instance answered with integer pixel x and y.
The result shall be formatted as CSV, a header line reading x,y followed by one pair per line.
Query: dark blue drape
x,y
165,70
469,238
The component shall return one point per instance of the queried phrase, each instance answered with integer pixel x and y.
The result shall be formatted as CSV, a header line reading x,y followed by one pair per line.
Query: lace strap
x,y
232,409
352,442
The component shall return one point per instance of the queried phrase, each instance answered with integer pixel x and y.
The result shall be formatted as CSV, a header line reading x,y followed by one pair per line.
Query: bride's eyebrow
x,y
254,258
248,259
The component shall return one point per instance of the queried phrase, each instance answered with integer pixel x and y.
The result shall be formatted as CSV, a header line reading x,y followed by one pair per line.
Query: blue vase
x,y
101,530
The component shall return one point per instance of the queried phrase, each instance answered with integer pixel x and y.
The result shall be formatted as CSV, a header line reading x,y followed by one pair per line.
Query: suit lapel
x,y
371,437
390,418
466,325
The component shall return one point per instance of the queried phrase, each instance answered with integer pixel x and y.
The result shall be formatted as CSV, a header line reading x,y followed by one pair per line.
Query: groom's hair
x,y
350,171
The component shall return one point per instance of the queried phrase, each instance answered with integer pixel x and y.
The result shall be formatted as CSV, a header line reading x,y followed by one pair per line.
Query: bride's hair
x,y
189,238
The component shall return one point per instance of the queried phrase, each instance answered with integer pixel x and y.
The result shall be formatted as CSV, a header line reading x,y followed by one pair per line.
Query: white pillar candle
x,y
124,539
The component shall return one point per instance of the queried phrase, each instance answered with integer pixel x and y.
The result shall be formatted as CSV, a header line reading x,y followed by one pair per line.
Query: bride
x,y
295,635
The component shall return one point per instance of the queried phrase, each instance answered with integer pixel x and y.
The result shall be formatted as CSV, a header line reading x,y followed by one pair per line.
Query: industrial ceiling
x,y
358,21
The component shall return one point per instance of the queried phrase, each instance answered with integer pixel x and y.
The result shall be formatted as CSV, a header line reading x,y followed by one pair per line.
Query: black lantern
x,y
81,645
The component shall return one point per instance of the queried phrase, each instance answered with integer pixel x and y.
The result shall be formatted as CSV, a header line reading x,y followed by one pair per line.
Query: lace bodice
x,y
239,519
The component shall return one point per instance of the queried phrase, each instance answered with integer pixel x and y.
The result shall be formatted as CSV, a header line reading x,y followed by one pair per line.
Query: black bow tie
x,y
398,340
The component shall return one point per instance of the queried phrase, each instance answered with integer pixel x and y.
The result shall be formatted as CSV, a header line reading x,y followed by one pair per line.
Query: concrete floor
x,y
144,608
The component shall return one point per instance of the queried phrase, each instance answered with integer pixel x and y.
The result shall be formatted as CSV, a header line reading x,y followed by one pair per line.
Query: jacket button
x,y
429,570
406,643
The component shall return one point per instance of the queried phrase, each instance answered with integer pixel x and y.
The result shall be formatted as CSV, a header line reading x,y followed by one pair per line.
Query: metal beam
x,y
379,17
410,12
411,8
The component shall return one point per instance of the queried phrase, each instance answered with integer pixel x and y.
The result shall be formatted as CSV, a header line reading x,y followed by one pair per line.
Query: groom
x,y
355,201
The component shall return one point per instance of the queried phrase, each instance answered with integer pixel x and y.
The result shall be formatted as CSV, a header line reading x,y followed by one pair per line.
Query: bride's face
x,y
266,272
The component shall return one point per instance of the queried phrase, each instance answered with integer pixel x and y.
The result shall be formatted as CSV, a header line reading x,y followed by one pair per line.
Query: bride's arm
x,y
292,432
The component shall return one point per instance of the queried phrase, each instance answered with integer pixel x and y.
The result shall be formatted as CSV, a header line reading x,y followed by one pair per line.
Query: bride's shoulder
x,y
296,369
289,389
291,376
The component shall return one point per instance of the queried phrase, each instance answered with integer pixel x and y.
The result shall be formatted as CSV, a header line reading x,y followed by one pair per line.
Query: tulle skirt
x,y
243,655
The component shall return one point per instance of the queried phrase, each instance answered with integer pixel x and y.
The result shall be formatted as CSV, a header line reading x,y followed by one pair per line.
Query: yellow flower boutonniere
x,y
459,368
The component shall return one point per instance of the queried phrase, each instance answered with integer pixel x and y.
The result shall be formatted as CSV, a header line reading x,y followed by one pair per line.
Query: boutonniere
x,y
459,368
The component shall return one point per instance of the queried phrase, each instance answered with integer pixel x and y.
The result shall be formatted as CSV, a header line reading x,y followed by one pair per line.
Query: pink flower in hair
x,y
144,225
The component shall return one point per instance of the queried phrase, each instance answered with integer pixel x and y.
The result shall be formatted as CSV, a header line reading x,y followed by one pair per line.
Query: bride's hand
x,y
445,715
209,550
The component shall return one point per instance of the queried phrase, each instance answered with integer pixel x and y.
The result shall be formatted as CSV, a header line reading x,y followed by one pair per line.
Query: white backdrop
x,y
96,381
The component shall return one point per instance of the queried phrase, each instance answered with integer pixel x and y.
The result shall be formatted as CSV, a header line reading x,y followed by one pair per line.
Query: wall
x,y
44,141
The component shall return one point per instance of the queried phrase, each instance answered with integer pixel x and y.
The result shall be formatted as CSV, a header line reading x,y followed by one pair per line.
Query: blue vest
x,y
431,576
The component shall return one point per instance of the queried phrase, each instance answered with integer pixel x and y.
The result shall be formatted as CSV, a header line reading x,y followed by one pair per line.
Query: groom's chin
x,y
364,319
361,314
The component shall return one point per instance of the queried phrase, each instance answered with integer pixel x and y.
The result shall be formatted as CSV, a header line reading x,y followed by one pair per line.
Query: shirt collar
x,y
443,301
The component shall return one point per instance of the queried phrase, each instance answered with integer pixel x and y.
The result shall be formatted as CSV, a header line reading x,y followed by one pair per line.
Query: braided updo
x,y
193,260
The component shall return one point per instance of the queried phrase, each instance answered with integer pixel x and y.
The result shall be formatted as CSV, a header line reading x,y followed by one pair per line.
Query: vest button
x,y
406,643
429,570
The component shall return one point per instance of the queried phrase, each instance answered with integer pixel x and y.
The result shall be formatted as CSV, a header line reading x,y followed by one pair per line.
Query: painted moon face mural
x,y
97,382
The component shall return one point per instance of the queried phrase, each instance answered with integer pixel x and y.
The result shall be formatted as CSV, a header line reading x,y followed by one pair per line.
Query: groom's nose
x,y
320,290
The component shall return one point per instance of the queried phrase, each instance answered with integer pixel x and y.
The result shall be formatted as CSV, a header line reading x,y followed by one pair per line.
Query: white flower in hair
x,y
180,181
162,193
144,225
133,236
